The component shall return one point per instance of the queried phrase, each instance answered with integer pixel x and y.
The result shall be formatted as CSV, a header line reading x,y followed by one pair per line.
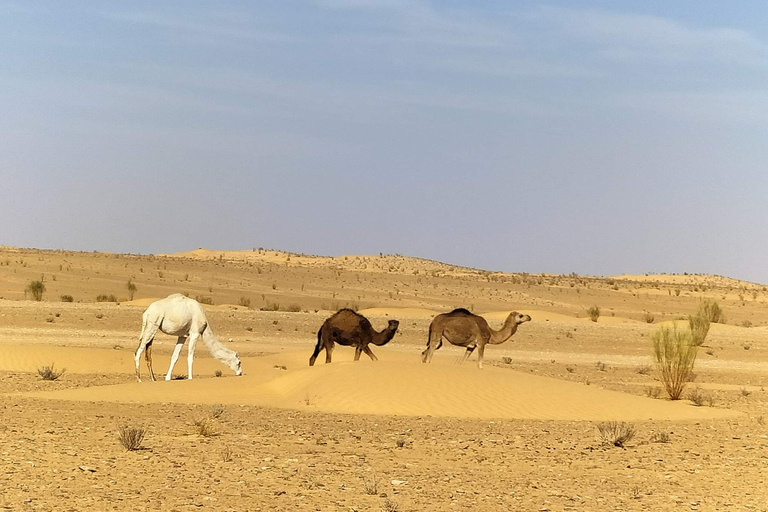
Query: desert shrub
x,y
218,373
48,372
643,369
293,308
245,302
36,289
66,298
401,441
131,289
615,433
677,292
648,317
660,437
674,354
217,410
371,485
699,325
601,366
206,426
130,437
506,360
271,306
712,311
106,298
746,323
226,454
696,396
594,313
390,505
652,391
204,299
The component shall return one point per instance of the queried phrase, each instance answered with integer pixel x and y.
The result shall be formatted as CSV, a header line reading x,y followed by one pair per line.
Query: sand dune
x,y
397,386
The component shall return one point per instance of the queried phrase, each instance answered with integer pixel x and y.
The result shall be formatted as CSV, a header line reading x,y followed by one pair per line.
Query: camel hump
x,y
461,311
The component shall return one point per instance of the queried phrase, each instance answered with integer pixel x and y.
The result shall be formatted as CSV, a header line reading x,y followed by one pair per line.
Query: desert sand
x,y
395,434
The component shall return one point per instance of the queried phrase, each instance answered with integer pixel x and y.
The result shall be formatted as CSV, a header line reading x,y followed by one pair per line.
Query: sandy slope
x,y
395,386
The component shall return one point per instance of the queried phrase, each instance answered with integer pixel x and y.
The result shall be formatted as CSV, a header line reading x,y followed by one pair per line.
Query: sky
x,y
596,137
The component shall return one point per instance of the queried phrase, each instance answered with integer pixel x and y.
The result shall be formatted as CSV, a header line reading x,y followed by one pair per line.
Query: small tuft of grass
x,y
206,426
660,437
48,372
390,506
130,437
371,486
644,369
652,392
615,433
226,454
506,360
217,410
697,396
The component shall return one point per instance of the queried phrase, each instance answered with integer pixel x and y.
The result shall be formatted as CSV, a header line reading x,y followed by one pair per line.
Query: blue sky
x,y
593,137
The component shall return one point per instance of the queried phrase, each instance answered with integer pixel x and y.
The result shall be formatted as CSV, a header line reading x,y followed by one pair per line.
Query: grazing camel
x,y
462,328
180,316
351,329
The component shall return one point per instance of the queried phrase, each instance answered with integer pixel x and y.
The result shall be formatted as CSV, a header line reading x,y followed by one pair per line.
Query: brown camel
x,y
462,328
351,329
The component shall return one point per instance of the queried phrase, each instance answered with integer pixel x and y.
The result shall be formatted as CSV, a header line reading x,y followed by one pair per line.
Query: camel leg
x,y
191,353
328,352
480,354
358,351
368,351
147,336
435,342
175,356
316,353
468,353
148,356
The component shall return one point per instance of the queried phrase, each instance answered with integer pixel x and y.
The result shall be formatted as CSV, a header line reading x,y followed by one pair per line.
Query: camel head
x,y
234,364
393,325
521,318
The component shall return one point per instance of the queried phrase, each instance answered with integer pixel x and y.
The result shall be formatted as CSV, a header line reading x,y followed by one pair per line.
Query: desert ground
x,y
392,435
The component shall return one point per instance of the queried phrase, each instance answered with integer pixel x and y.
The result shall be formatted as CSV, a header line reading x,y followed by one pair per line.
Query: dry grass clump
x,y
660,437
66,298
644,369
390,506
371,485
48,373
697,396
615,433
130,437
217,410
106,298
36,289
674,354
245,302
652,392
594,313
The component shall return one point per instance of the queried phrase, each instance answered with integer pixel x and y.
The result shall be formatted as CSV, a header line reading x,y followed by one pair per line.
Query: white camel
x,y
180,316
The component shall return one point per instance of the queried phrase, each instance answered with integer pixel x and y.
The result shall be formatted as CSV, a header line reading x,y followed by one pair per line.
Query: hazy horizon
x,y
596,137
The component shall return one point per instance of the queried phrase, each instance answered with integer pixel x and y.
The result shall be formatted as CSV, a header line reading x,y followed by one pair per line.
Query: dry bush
x,y
699,325
745,392
506,360
648,317
130,437
226,454
217,410
293,308
401,441
711,310
601,366
204,299
36,289
644,369
697,396
245,302
390,506
371,486
106,298
66,298
594,313
206,426
131,289
675,355
48,373
615,433
218,373
660,437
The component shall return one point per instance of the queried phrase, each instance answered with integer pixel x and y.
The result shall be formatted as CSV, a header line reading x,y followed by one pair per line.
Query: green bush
x,y
674,354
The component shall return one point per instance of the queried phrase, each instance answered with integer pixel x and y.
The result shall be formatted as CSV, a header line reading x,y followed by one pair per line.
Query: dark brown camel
x,y
351,330
461,327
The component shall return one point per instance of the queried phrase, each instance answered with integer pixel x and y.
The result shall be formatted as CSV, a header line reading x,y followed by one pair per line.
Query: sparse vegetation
x,y
371,485
130,437
226,454
594,313
131,289
675,355
36,289
49,373
66,298
206,426
106,298
615,433
652,392
696,396
660,437
245,302
644,369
